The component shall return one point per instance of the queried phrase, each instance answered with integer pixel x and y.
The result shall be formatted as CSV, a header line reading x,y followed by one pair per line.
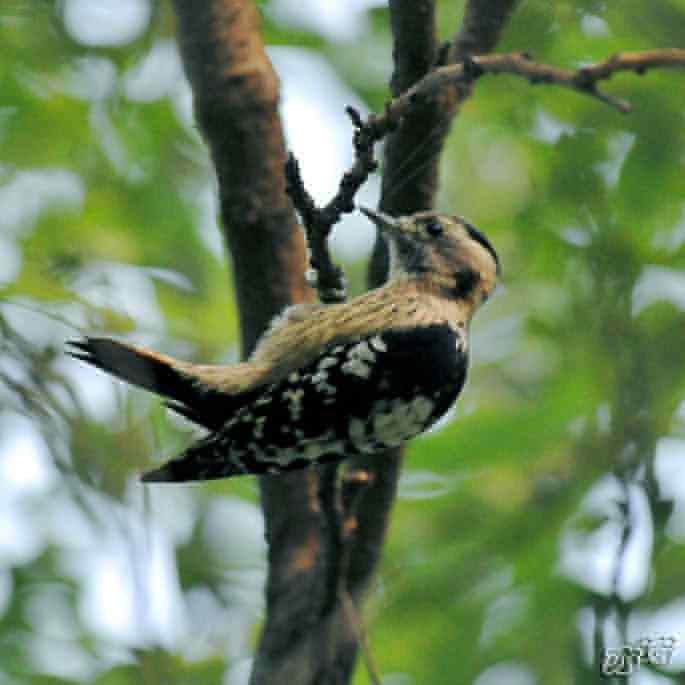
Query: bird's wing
x,y
144,368
365,395
208,393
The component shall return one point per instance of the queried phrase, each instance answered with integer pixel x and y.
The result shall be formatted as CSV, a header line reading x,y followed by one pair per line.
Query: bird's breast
x,y
419,379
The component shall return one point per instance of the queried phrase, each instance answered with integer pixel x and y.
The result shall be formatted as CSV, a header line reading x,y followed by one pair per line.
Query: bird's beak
x,y
386,223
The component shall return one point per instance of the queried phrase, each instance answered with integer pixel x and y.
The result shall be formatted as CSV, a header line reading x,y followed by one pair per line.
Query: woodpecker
x,y
329,381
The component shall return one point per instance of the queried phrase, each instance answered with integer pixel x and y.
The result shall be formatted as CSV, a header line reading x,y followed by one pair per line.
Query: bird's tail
x,y
207,459
144,368
187,392
199,462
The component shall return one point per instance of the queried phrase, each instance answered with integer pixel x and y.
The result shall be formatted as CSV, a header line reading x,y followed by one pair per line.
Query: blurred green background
x,y
544,520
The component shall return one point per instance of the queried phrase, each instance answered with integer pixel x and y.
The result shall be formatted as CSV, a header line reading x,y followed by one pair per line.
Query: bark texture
x,y
236,96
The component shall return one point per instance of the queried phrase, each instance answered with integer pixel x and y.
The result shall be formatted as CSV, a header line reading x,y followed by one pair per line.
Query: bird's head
x,y
449,255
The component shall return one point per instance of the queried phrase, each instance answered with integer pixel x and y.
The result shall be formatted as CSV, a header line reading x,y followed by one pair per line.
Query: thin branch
x,y
429,92
583,80
638,62
325,275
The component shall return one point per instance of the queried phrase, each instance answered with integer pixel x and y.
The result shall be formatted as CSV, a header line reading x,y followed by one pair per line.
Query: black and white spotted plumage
x,y
326,382
363,396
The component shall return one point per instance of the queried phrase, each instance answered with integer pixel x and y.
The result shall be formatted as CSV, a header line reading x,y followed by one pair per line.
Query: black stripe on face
x,y
476,235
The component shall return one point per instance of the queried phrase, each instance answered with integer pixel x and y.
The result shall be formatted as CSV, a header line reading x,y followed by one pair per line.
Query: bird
x,y
326,382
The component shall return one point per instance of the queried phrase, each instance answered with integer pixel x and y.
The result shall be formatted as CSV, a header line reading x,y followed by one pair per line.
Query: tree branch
x,y
583,80
412,155
328,277
435,98
415,51
430,105
236,98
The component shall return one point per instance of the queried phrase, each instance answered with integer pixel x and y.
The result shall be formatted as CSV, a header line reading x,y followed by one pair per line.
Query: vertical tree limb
x,y
412,153
236,94
236,104
419,136
410,177
481,28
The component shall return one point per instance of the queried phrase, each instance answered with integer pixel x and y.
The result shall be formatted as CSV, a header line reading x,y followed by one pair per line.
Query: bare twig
x,y
327,276
639,62
583,80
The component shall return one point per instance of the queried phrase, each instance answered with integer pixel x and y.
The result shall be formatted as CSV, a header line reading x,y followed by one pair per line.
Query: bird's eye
x,y
434,228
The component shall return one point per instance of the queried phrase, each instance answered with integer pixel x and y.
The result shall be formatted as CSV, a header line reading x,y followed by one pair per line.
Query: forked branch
x,y
324,274
328,277
583,80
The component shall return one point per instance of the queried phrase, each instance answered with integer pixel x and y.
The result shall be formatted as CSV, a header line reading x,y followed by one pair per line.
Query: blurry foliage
x,y
498,563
